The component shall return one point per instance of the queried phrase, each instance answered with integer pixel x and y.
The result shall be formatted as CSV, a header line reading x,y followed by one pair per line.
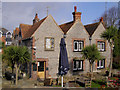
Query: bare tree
x,y
110,17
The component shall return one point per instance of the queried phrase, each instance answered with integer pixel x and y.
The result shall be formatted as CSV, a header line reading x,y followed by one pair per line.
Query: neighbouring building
x,y
43,39
5,37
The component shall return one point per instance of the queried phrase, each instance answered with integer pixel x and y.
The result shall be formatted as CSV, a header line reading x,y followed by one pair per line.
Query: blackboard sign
x,y
34,67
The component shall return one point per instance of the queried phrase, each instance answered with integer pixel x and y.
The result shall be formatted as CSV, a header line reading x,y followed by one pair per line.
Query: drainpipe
x,y
90,38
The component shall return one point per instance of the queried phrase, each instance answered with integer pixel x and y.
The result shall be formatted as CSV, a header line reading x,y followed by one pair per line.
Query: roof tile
x,y
65,27
32,29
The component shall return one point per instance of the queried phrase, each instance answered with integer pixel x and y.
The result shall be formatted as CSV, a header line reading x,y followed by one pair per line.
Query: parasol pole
x,y
62,81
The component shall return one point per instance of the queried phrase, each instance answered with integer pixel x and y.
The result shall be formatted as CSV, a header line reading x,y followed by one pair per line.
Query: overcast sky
x,y
15,13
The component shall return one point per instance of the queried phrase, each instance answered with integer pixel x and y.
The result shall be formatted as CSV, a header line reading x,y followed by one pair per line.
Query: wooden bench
x,y
48,82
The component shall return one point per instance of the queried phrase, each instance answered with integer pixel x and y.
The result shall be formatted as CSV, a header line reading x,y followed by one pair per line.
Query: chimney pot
x,y
76,15
36,19
101,19
36,16
75,8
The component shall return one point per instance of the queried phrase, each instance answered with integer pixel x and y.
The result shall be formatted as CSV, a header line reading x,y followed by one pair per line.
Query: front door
x,y
41,69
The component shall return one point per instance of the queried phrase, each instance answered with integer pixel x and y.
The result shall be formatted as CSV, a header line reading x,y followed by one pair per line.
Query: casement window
x,y
49,43
101,64
77,65
0,49
8,35
78,45
101,45
0,34
8,43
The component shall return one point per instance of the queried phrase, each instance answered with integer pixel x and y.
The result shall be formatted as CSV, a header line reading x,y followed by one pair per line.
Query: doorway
x,y
41,69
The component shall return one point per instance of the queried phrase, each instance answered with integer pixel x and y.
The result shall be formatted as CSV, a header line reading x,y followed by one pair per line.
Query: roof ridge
x,y
25,24
66,23
92,23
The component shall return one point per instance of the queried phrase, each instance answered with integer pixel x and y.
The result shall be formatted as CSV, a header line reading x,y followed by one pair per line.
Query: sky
x,y
15,13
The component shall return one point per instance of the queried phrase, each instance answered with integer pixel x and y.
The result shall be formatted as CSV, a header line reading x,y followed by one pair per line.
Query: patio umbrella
x,y
63,60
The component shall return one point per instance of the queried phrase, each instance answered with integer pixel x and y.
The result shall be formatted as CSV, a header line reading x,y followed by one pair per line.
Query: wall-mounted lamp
x,y
90,38
64,36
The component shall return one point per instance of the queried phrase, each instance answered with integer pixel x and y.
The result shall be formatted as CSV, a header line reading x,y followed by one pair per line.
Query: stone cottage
x,y
43,39
77,37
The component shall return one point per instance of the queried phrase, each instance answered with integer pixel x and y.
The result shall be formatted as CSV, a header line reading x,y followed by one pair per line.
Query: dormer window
x,y
8,35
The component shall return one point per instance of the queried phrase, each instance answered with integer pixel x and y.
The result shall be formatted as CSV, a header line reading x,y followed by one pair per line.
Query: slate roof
x,y
65,27
91,28
32,29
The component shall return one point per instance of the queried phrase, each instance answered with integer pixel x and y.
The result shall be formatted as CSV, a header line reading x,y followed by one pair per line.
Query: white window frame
x,y
8,43
79,62
101,66
80,43
101,45
0,49
7,35
51,46
74,45
1,34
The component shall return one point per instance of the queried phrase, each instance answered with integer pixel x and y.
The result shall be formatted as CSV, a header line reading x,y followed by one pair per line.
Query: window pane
x,y
74,64
0,34
81,64
40,66
77,64
75,46
101,64
52,42
48,43
101,45
98,63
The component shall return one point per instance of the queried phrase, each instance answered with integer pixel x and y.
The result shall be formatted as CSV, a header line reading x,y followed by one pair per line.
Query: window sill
x,y
101,50
77,51
100,68
77,70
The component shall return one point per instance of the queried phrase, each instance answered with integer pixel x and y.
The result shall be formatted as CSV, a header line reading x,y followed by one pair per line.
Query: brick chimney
x,y
76,15
101,19
36,19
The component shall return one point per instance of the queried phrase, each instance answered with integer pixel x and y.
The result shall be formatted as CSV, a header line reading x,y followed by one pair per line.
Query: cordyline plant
x,y
16,56
110,35
91,53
